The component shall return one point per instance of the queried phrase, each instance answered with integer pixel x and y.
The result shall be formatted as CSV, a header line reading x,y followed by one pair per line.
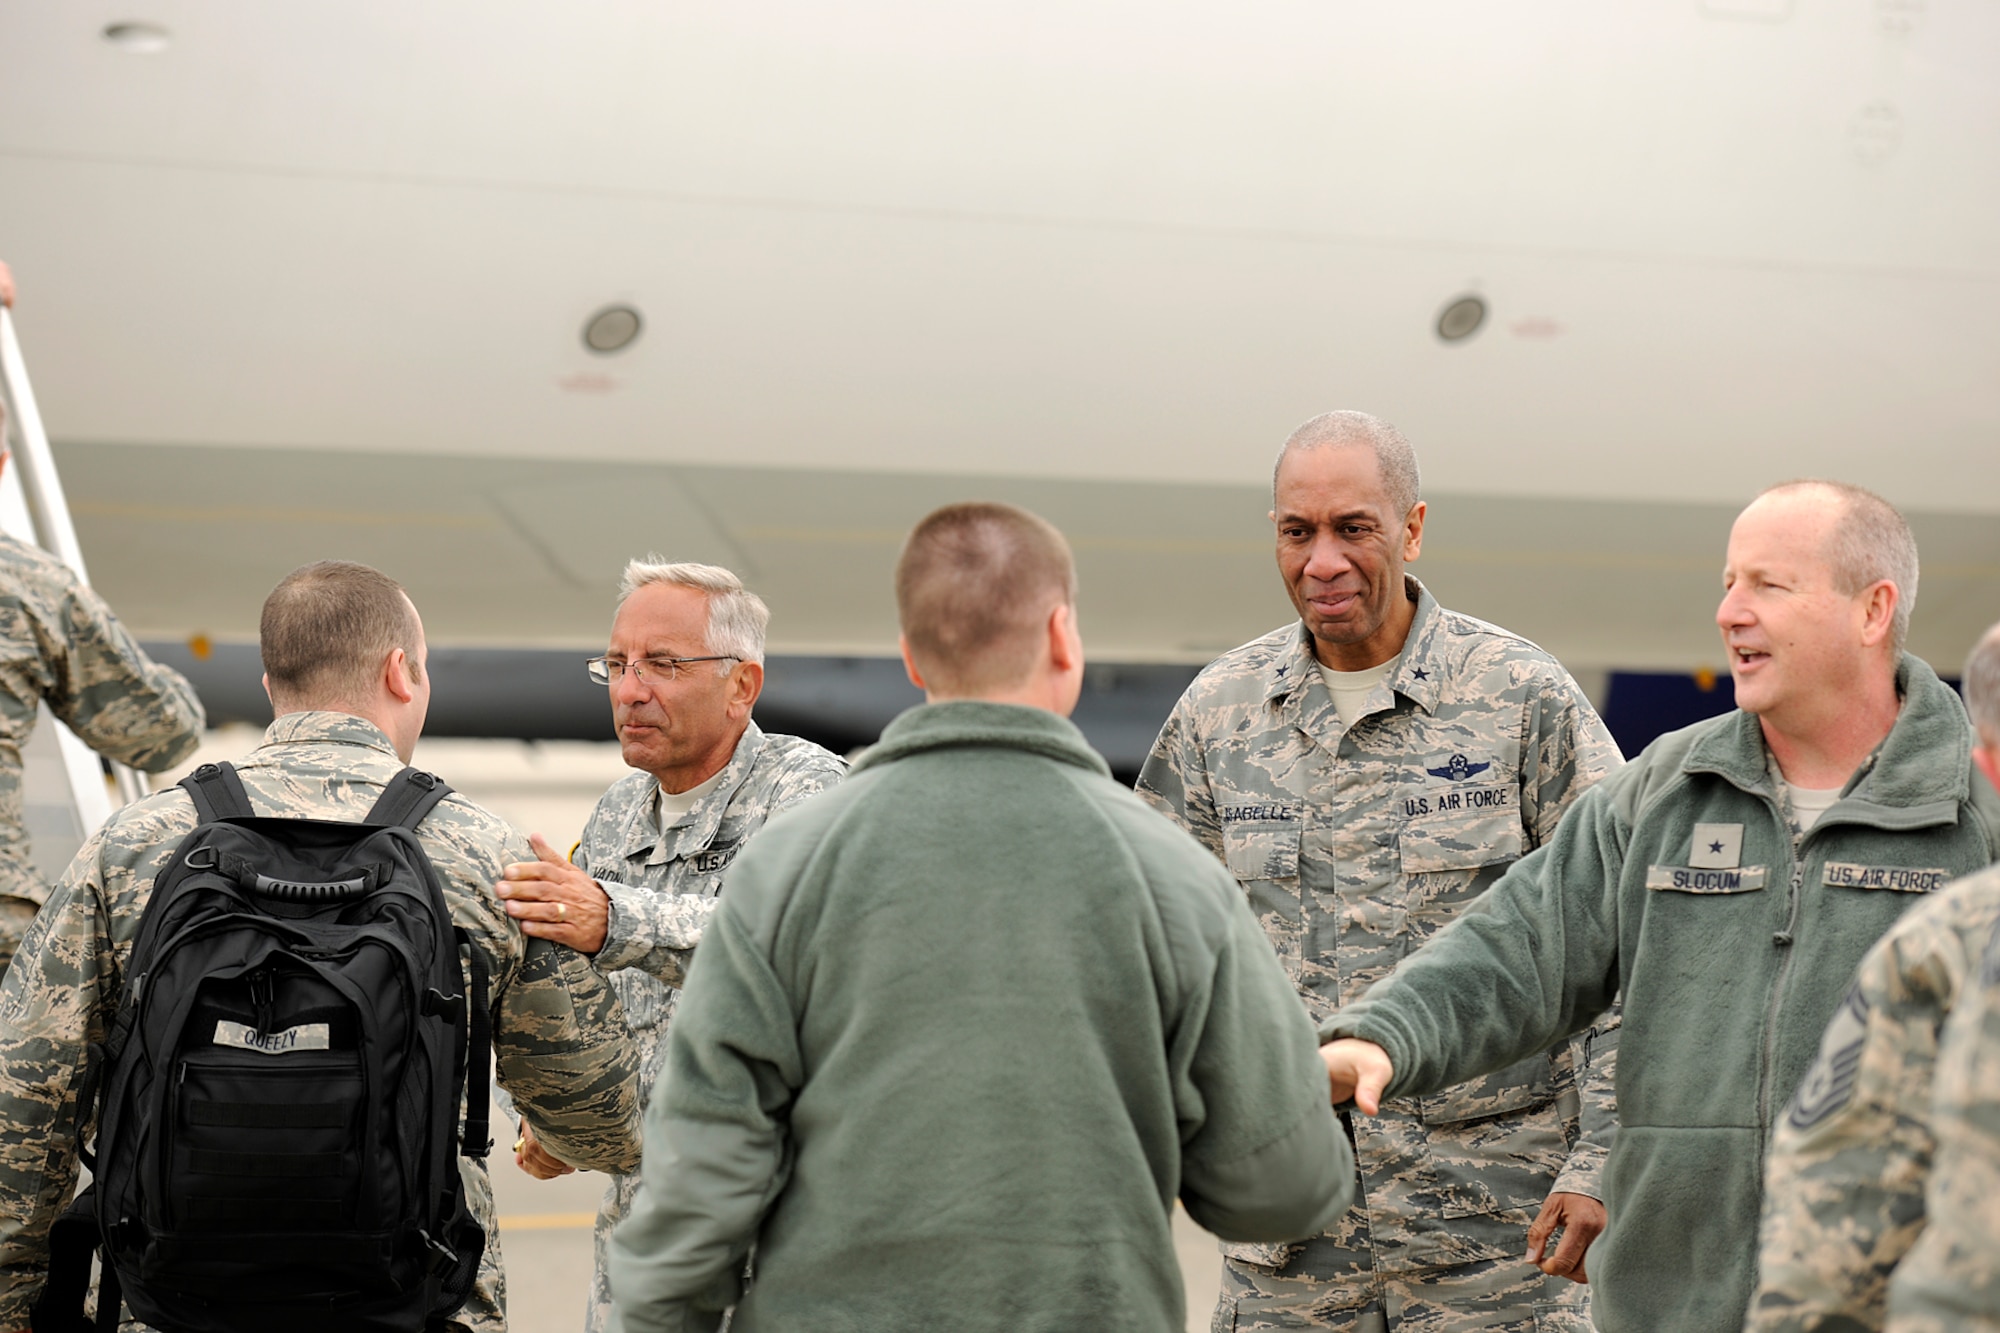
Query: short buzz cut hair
x,y
326,629
974,585
737,617
1871,543
1981,686
1393,454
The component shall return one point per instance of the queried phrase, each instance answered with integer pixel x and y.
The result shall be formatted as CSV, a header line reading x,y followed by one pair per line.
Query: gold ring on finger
x,y
562,910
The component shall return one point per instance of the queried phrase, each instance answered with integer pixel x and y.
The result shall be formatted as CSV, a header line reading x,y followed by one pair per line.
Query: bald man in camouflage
x,y
1848,1167
1365,773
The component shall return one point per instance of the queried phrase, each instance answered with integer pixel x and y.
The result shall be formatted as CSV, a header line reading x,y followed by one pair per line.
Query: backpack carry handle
x,y
302,891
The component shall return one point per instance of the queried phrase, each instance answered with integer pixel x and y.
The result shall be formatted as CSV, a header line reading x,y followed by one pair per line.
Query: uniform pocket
x,y
1262,850
1450,841
1501,1157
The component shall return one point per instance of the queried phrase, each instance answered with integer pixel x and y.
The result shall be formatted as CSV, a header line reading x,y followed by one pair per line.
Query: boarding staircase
x,y
66,789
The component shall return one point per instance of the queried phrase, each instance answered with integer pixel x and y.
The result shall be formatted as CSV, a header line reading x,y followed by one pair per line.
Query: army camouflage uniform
x,y
60,642
1465,760
559,1037
1844,1185
663,885
1949,1282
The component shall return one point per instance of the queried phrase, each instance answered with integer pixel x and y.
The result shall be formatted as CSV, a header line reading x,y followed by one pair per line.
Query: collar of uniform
x,y
328,728
1419,675
1291,675
974,723
696,829
1917,775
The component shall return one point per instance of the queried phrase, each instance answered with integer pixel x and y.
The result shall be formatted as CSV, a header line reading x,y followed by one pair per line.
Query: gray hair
x,y
1393,455
737,617
1981,687
1870,544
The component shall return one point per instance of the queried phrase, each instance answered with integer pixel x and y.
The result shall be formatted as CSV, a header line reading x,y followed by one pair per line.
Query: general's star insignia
x,y
1716,847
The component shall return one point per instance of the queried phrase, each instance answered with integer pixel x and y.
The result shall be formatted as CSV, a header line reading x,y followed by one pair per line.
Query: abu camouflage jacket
x,y
559,1039
1844,1188
59,642
1356,845
1949,1282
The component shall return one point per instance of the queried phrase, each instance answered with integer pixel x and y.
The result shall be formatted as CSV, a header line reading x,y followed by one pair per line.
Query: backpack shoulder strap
x,y
218,793
410,795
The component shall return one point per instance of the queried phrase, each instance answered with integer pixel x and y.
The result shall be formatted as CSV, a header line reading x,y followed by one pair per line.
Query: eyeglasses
x,y
646,670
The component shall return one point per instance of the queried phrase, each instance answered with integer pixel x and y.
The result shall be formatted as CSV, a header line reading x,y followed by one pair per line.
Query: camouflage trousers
x,y
1487,1296
16,915
618,1197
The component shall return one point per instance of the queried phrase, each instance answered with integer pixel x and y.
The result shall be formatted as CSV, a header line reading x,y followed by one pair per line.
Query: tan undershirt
x,y
675,804
1809,803
1350,689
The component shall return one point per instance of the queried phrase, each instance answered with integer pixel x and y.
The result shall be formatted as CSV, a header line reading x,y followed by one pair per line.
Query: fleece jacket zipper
x,y
1786,940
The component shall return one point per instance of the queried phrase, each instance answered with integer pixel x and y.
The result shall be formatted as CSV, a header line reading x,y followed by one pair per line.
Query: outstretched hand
x,y
537,1161
1582,1220
553,899
1357,1070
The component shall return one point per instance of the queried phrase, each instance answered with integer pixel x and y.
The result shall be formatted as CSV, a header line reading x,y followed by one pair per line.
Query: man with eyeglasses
x,y
684,668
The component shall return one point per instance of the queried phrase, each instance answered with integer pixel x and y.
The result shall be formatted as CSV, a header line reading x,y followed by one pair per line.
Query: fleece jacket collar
x,y
967,723
1917,776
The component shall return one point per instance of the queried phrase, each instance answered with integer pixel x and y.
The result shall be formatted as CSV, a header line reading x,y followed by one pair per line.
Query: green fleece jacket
x,y
960,1032
1676,879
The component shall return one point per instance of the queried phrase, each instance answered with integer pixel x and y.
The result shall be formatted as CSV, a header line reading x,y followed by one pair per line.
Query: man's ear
x,y
1878,612
396,676
266,678
746,682
1413,530
910,663
1065,644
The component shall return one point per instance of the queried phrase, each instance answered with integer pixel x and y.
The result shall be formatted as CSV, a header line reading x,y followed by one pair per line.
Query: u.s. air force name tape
x,y
1897,879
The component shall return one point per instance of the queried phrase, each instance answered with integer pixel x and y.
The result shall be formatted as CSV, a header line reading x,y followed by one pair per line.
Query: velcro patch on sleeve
x,y
1896,879
1694,879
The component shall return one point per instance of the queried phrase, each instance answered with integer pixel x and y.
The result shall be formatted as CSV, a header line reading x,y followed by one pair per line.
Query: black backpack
x,y
278,1139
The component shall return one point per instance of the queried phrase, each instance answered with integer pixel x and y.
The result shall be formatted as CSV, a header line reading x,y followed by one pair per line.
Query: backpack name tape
x,y
304,1037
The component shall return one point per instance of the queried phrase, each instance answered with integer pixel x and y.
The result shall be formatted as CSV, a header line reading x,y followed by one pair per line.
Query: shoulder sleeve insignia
x,y
1829,1085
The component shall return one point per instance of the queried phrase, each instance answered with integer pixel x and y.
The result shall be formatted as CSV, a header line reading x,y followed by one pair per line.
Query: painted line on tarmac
x,y
547,1221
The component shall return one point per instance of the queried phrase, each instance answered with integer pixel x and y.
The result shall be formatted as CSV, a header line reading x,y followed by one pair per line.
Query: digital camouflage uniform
x,y
60,642
559,1038
663,886
1355,846
1844,1186
1950,1280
